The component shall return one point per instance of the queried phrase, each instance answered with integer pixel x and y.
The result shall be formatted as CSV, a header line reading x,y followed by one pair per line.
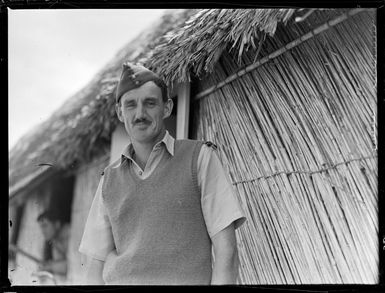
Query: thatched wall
x,y
298,137
86,183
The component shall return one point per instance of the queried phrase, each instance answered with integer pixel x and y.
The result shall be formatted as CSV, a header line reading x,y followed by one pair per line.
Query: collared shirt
x,y
220,206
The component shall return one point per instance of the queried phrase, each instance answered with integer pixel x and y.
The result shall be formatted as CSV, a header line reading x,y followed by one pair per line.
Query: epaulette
x,y
210,144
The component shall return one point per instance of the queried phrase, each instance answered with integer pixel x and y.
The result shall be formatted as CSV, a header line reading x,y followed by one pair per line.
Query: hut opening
x,y
61,197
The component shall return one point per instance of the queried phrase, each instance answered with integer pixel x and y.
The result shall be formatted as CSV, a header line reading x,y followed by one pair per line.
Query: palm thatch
x,y
82,127
298,137
196,47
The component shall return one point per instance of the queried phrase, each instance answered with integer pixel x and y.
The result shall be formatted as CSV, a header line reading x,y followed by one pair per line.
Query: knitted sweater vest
x,y
157,223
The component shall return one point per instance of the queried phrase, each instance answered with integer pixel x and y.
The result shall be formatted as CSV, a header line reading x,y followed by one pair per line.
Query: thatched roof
x,y
196,47
181,43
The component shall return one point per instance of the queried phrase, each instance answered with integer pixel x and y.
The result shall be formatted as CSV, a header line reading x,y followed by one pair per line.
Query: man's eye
x,y
151,103
130,105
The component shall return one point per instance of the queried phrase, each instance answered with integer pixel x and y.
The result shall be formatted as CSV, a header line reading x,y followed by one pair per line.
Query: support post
x,y
183,110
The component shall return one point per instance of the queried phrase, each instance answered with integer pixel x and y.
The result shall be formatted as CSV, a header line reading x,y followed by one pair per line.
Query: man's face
x,y
48,228
142,111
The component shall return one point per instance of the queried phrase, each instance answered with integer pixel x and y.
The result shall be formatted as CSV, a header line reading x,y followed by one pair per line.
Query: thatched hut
x,y
289,97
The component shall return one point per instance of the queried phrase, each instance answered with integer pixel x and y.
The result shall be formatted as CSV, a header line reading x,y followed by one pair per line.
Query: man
x,y
162,206
56,235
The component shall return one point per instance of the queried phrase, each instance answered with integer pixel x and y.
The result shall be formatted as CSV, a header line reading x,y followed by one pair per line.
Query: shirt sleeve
x,y
220,206
97,241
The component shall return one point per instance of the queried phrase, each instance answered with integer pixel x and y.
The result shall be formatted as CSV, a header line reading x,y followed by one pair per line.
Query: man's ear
x,y
118,110
168,108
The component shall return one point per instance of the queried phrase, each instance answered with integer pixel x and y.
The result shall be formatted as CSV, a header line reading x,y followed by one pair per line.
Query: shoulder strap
x,y
210,144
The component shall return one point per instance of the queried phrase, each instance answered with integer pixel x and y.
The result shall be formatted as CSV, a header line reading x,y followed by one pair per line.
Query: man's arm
x,y
94,272
225,269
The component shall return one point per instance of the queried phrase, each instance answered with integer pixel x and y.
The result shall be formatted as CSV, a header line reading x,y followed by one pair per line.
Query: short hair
x,y
49,215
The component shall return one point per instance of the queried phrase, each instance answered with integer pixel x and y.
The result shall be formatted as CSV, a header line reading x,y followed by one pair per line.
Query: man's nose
x,y
140,111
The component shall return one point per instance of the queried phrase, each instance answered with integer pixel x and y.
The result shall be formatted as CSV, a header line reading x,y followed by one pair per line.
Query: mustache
x,y
143,120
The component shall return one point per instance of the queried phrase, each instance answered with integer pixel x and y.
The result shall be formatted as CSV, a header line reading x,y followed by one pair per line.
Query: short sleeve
x,y
97,241
220,206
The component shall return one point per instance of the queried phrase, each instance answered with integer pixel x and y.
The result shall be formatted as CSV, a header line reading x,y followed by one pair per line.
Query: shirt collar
x,y
168,141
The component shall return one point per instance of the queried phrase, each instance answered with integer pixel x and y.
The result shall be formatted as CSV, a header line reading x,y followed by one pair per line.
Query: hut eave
x,y
29,181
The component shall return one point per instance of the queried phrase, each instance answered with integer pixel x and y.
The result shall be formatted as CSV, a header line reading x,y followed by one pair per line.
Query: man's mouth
x,y
142,123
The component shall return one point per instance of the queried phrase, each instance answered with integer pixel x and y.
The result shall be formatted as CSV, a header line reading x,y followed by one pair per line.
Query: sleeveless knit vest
x,y
157,223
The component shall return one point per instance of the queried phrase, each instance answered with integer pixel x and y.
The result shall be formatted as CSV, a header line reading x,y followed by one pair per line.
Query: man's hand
x,y
225,270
